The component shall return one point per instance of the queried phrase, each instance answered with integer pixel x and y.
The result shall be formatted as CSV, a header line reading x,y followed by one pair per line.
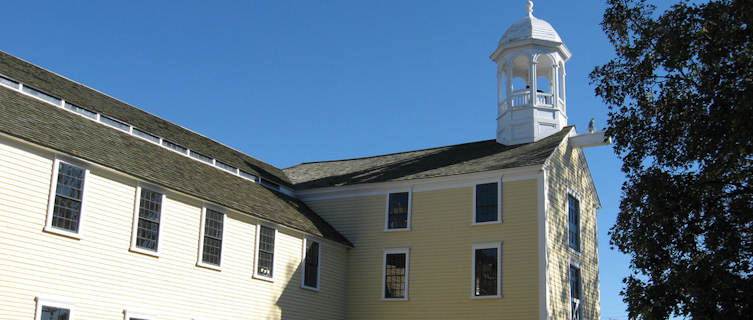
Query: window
x,y
575,293
269,184
487,270
395,280
398,211
265,252
9,82
41,95
145,135
48,309
129,315
488,203
114,123
210,245
573,217
81,111
174,147
225,166
247,175
147,218
66,206
311,264
200,157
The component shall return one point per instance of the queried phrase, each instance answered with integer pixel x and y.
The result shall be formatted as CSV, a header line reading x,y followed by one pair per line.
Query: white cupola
x,y
531,101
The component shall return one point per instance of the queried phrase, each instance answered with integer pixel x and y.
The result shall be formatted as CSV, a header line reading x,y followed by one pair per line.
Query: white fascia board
x,y
418,185
594,139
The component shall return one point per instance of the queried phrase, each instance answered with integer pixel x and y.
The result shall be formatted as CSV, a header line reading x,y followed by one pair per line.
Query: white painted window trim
x,y
576,195
135,229
55,303
406,251
499,202
387,211
51,201
200,261
488,245
138,315
306,241
256,274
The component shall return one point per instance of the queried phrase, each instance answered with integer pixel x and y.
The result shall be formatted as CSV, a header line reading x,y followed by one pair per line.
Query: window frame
x,y
256,274
387,211
128,315
53,194
200,261
136,214
579,227
498,181
488,245
406,251
577,266
55,303
306,241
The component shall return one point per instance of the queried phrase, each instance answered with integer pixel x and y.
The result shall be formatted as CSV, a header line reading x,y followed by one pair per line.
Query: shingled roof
x,y
91,99
43,124
457,159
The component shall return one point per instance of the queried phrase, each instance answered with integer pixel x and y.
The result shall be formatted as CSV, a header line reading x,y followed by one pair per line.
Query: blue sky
x,y
296,81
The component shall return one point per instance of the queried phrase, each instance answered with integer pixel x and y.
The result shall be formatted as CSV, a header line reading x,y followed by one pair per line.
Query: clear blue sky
x,y
296,81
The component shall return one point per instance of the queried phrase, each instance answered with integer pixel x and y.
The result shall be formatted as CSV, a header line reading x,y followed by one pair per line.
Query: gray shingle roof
x,y
43,124
86,97
464,158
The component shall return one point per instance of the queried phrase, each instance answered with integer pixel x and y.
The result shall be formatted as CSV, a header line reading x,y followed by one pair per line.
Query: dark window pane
x,y
174,146
397,213
225,166
573,217
52,313
212,237
311,269
150,207
41,95
9,82
265,264
69,191
394,275
486,272
114,123
81,111
575,292
486,202
145,135
201,157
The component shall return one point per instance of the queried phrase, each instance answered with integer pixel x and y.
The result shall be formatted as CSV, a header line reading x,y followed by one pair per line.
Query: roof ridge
x,y
138,109
390,154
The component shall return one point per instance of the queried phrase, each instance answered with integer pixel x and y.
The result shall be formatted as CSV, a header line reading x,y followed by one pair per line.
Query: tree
x,y
680,97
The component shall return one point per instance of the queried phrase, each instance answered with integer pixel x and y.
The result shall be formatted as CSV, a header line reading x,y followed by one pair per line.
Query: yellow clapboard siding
x,y
440,242
102,277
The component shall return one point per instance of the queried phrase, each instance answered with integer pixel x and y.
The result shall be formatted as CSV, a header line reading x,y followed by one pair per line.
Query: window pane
x,y
486,202
394,275
312,264
9,82
150,208
68,193
225,166
486,272
174,146
41,95
52,313
145,135
248,175
212,237
201,157
575,292
114,123
82,111
265,263
397,213
573,216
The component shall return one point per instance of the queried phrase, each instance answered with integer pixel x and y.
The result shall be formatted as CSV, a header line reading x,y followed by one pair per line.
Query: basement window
x,y
41,95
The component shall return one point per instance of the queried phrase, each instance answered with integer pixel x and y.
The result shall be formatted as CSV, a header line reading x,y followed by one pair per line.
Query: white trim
x,y
387,211
306,241
135,228
55,303
53,193
487,245
52,153
256,252
543,244
406,251
200,261
498,181
138,315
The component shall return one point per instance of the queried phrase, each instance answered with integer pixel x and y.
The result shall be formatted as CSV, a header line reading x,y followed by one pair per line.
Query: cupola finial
x,y
529,5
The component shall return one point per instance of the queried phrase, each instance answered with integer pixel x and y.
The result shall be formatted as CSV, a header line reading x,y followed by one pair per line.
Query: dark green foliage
x,y
680,95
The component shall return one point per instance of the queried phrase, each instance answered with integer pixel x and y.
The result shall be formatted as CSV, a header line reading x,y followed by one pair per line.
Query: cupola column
x,y
532,81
